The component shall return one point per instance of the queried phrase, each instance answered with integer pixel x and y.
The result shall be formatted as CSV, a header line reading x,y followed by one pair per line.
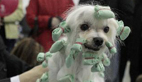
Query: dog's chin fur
x,y
77,16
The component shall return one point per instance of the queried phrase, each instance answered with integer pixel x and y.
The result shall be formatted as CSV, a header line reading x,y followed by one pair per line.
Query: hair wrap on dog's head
x,y
123,31
103,12
63,28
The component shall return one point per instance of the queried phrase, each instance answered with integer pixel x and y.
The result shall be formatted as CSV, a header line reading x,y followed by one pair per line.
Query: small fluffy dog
x,y
96,32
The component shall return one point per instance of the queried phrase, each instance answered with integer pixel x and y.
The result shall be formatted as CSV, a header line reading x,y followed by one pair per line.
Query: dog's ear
x,y
63,28
103,12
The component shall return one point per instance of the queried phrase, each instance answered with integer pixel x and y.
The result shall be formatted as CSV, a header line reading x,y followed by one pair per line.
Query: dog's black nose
x,y
98,41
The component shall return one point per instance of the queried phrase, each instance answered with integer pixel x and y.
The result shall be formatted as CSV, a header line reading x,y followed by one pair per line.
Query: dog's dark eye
x,y
84,27
106,29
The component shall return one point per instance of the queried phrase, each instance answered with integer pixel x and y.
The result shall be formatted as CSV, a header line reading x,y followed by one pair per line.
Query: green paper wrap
x,y
87,81
75,49
102,74
111,48
44,63
63,28
70,58
123,31
40,57
48,55
56,33
44,77
98,67
90,58
105,60
67,78
57,46
103,12
38,80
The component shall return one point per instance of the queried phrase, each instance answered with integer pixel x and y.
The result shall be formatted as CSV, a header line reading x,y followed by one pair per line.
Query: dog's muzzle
x,y
97,43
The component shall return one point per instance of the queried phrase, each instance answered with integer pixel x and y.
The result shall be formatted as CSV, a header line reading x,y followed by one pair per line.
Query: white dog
x,y
96,32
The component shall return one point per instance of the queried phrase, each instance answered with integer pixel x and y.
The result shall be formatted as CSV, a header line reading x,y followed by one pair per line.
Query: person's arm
x,y
17,15
29,76
17,67
32,75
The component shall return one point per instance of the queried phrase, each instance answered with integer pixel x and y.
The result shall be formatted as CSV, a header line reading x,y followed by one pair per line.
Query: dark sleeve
x,y
14,65
5,80
127,10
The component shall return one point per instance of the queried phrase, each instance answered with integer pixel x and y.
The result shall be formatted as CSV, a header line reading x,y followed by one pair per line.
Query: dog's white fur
x,y
77,16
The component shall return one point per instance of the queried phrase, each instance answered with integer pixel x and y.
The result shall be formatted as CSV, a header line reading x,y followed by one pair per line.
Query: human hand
x,y
55,22
33,74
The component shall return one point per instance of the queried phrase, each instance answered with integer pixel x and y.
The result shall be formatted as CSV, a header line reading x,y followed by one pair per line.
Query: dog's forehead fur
x,y
85,14
80,13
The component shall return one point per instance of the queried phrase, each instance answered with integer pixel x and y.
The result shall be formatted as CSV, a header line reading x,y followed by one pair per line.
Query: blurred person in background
x,y
47,14
25,27
27,50
124,10
12,68
10,27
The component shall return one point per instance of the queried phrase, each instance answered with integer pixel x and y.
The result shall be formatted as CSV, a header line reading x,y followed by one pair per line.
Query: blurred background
x,y
26,26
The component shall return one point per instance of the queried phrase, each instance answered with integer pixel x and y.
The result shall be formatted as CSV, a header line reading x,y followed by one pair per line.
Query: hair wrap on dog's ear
x,y
123,31
63,28
103,12
75,49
